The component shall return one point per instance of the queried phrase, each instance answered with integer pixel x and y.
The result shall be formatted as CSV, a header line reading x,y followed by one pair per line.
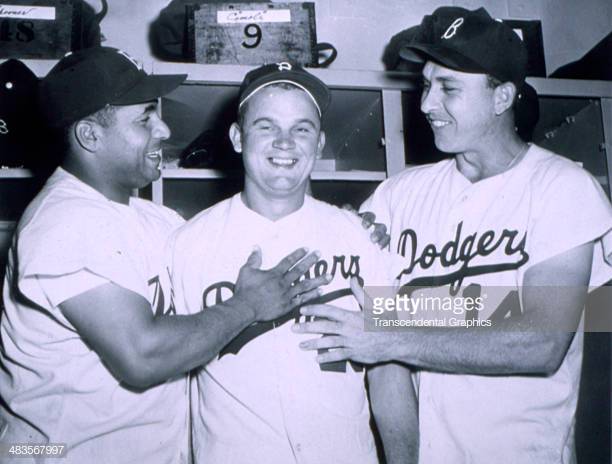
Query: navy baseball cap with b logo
x,y
269,74
470,41
84,82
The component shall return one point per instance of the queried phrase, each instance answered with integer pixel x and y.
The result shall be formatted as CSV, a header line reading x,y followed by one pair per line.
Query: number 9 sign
x,y
252,31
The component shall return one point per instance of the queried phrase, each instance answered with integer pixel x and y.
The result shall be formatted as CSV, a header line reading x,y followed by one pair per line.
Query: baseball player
x,y
518,228
92,360
263,400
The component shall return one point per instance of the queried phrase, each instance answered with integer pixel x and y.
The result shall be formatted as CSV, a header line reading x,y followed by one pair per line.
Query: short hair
x,y
106,117
494,82
280,85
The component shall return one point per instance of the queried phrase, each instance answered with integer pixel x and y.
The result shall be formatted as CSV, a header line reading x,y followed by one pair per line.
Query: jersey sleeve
x,y
61,288
54,251
573,211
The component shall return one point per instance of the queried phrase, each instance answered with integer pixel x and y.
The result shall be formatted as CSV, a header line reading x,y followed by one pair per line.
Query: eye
x,y
303,130
144,120
263,126
447,89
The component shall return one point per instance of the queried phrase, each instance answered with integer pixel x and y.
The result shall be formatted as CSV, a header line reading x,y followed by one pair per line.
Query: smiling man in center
x,y
263,400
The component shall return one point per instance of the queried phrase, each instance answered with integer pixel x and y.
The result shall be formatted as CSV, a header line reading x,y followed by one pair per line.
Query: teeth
x,y
436,123
283,161
155,154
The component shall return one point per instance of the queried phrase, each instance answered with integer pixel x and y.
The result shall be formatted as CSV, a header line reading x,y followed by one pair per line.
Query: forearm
x,y
553,295
395,409
174,344
481,351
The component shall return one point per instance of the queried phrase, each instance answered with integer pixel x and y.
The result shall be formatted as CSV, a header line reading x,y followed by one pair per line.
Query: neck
x,y
270,207
492,157
92,178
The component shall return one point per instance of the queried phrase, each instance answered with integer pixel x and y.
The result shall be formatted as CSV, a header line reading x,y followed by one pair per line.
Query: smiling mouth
x,y
155,155
437,123
282,162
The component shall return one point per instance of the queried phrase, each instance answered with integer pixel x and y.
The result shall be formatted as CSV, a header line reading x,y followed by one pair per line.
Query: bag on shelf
x,y
48,29
255,32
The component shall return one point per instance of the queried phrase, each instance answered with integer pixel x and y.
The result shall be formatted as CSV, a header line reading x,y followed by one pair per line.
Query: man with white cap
x,y
93,359
519,231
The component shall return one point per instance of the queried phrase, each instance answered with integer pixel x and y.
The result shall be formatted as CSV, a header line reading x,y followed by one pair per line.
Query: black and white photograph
x,y
321,232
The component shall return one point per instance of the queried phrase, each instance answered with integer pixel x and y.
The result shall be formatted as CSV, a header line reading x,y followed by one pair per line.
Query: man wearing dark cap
x,y
509,237
92,358
263,400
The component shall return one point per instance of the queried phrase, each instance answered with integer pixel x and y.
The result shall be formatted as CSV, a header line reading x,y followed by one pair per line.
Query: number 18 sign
x,y
252,33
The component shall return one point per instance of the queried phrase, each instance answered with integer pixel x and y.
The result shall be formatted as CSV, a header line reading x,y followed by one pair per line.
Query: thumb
x,y
254,259
358,291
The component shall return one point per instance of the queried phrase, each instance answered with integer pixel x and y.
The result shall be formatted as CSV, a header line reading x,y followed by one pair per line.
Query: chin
x,y
280,189
153,175
146,180
445,146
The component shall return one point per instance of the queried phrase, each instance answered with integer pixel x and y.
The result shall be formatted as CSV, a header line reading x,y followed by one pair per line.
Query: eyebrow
x,y
447,80
149,108
310,122
262,119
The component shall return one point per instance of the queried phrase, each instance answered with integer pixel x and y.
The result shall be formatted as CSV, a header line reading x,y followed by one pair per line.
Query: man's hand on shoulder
x,y
379,233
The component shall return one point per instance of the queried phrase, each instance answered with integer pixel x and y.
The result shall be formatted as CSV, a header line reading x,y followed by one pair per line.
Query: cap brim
x,y
420,53
149,88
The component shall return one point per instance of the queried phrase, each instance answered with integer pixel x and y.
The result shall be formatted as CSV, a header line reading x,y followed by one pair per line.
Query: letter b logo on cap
x,y
452,29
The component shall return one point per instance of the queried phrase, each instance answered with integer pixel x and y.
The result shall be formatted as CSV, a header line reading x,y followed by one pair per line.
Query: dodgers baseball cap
x,y
269,74
85,81
470,41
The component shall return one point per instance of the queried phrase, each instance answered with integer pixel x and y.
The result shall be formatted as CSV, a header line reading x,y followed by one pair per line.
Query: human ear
x,y
504,95
236,137
87,134
320,145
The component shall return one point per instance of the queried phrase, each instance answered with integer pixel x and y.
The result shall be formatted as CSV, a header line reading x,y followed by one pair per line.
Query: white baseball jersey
x,y
474,238
57,390
263,399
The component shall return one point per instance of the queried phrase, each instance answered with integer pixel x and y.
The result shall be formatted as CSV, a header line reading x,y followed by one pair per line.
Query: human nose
x,y
283,140
429,100
160,129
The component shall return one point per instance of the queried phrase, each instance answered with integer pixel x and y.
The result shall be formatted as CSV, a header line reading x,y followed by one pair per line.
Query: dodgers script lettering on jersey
x,y
342,266
464,250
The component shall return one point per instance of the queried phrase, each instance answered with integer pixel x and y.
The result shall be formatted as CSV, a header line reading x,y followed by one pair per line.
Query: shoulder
x,y
406,187
339,222
204,222
328,213
551,171
58,212
417,176
155,212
